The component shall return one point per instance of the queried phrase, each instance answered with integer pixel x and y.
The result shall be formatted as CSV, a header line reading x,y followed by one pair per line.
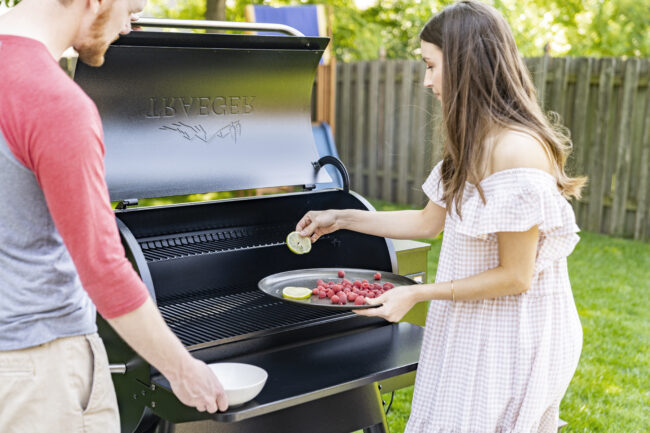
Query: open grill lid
x,y
192,113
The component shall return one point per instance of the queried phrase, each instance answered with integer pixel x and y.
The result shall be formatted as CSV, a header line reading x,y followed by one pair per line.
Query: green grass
x,y
610,391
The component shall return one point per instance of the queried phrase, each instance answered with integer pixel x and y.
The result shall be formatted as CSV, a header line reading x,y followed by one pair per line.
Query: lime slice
x,y
296,292
298,244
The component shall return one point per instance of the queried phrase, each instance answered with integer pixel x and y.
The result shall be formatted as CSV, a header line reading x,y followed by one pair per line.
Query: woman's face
x,y
432,56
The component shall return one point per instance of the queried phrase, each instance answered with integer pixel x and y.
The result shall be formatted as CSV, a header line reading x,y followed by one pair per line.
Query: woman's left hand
x,y
393,304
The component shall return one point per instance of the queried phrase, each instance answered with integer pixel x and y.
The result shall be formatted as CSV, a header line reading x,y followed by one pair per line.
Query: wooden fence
x,y
387,133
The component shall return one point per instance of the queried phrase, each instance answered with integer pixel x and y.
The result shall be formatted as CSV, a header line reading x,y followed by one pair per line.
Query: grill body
x,y
190,113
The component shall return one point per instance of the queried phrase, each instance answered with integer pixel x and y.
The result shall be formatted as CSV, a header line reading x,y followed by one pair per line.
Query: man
x,y
60,254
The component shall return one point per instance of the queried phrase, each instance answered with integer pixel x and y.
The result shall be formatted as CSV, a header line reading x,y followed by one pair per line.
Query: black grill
x,y
203,319
197,113
212,241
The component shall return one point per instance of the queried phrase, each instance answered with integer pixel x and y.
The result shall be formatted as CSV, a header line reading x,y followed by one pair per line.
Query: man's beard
x,y
92,52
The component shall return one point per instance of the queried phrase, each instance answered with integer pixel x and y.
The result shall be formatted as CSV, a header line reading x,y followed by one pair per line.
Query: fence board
x,y
581,107
561,67
644,177
597,172
344,108
359,121
617,222
373,107
419,136
403,129
389,132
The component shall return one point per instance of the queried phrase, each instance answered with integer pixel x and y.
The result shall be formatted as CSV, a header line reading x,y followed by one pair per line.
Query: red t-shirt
x,y
53,128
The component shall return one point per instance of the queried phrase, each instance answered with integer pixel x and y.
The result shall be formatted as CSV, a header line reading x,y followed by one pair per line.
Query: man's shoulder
x,y
35,82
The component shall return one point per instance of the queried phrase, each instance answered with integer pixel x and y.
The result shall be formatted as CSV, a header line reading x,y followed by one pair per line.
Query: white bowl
x,y
242,382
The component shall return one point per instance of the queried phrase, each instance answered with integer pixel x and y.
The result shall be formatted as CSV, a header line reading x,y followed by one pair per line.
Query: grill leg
x,y
382,427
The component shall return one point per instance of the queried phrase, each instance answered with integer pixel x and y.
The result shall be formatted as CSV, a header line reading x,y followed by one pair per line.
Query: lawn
x,y
610,391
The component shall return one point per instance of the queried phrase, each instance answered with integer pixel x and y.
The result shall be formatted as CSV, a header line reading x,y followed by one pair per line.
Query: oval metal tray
x,y
273,284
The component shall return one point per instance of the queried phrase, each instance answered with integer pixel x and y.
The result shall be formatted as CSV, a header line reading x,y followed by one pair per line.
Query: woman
x,y
502,337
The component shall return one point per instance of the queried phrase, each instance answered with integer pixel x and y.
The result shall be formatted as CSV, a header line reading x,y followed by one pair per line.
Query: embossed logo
x,y
173,106
190,132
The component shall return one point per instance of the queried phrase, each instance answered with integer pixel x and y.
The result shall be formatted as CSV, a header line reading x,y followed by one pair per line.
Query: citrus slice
x,y
298,244
292,292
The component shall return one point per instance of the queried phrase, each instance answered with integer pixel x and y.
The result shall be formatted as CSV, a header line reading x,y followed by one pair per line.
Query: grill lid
x,y
192,113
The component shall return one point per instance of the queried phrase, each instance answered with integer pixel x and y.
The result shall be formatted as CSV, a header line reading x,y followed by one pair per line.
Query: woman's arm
x,y
406,224
513,275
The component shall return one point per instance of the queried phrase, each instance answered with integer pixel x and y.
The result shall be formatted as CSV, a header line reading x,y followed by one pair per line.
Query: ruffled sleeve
x,y
432,187
516,201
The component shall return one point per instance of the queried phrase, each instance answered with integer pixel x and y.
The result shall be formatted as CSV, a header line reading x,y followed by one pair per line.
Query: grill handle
x,y
117,368
329,159
216,25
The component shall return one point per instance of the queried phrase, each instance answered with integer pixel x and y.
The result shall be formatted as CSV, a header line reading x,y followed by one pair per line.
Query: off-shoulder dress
x,y
503,364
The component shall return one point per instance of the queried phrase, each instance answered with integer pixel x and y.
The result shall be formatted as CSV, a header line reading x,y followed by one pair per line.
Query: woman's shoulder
x,y
515,148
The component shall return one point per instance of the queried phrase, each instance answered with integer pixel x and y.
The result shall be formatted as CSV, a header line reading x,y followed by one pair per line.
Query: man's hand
x,y
197,386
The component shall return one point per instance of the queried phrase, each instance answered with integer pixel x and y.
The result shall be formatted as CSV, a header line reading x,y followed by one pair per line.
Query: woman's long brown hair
x,y
486,86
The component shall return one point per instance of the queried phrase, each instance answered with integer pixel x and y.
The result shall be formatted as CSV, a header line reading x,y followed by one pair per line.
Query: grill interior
x,y
234,314
210,241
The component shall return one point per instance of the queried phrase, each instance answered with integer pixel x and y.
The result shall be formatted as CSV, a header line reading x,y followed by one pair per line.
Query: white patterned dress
x,y
502,364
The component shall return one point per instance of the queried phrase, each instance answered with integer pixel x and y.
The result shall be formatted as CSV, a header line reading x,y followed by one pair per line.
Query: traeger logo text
x,y
198,106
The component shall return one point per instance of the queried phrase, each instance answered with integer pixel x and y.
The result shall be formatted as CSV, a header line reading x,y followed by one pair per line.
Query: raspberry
x,y
330,293
388,286
315,291
360,301
346,282
335,299
341,274
320,283
364,282
342,298
371,295
357,284
352,296
377,276
376,286
322,294
337,288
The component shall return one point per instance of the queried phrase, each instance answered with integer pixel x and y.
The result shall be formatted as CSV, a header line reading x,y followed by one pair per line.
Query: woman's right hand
x,y
318,223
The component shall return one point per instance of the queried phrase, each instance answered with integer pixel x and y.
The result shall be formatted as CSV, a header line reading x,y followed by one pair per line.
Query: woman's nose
x,y
428,80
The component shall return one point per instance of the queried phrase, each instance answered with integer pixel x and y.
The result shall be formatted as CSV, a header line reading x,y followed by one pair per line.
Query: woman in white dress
x,y
502,337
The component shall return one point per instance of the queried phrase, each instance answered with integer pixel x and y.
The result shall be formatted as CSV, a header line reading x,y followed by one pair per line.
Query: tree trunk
x,y
215,10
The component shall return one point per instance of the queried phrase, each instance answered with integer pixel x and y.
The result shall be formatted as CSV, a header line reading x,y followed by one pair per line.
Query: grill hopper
x,y
161,97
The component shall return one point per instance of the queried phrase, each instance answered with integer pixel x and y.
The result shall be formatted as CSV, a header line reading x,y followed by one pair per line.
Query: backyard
x,y
611,285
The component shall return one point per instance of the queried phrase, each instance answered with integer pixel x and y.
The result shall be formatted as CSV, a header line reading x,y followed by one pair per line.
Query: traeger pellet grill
x,y
192,113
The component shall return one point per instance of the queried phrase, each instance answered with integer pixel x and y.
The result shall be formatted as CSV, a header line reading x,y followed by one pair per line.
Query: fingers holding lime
x,y
298,244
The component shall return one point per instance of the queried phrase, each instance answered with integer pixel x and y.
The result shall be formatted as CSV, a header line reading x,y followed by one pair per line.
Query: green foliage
x,y
569,27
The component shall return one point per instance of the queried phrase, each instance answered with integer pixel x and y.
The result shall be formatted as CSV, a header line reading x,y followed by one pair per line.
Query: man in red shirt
x,y
60,253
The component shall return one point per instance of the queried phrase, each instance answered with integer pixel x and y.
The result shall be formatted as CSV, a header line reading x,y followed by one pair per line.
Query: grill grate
x,y
191,244
205,318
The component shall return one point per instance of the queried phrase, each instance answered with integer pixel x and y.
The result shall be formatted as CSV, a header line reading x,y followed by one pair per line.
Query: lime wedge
x,y
298,244
296,292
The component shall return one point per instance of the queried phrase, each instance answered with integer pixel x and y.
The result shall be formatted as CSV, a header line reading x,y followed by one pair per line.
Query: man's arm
x,y
65,153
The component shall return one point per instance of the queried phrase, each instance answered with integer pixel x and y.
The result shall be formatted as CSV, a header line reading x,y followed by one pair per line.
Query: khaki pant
x,y
63,386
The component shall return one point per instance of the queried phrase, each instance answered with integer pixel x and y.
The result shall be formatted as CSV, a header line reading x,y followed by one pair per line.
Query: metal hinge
x,y
126,203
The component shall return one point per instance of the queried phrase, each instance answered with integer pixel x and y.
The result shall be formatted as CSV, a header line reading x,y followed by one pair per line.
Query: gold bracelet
x,y
453,294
